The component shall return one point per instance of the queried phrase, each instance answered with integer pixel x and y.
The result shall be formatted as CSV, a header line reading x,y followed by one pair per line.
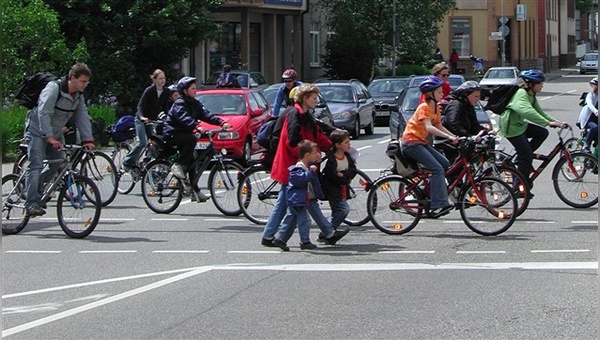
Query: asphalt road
x,y
195,274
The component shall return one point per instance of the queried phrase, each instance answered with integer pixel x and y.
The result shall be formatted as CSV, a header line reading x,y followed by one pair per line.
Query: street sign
x,y
521,12
503,20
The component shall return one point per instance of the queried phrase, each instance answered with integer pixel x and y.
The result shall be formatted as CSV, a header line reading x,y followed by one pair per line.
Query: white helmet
x,y
594,81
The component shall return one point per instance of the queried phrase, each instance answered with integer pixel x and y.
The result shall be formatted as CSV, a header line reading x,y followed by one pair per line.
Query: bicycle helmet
x,y
289,74
430,84
172,88
185,82
532,75
594,81
468,87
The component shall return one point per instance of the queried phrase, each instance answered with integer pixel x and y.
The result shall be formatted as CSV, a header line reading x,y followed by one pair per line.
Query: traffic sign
x,y
521,12
493,37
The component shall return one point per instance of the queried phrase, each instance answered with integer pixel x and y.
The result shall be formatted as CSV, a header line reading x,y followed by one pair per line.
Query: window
x,y
461,36
315,45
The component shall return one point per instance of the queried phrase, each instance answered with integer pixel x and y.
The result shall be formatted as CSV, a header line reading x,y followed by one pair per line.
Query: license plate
x,y
382,113
202,145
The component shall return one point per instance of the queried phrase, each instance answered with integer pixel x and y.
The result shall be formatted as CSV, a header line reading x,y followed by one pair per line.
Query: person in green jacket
x,y
525,136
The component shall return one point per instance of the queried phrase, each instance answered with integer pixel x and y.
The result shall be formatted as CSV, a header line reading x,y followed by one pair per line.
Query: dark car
x,y
351,105
385,91
246,79
321,112
408,101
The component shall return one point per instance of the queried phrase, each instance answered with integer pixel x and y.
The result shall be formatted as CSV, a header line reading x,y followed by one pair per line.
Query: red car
x,y
245,110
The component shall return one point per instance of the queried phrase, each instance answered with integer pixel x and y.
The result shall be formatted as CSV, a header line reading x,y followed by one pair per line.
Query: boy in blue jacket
x,y
302,187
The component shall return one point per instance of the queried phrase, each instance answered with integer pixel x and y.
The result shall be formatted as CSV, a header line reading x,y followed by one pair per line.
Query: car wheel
x,y
356,130
369,129
247,155
581,72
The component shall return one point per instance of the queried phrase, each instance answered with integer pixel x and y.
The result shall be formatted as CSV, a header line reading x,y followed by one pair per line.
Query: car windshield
x,y
223,104
411,99
387,86
455,81
500,74
337,94
590,57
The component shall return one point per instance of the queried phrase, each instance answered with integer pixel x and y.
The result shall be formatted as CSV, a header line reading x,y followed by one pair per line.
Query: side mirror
x,y
257,112
321,105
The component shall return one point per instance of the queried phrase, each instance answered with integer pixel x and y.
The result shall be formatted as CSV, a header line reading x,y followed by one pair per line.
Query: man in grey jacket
x,y
58,101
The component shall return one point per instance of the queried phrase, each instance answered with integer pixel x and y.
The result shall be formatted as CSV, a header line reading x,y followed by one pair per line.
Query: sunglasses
x,y
444,74
287,80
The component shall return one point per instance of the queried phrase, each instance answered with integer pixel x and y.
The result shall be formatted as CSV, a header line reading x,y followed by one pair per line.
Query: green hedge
x,y
13,120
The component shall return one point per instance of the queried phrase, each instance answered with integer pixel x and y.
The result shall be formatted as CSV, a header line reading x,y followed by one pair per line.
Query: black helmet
x,y
185,82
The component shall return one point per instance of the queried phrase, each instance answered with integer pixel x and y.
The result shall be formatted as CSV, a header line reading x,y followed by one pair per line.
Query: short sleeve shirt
x,y
415,131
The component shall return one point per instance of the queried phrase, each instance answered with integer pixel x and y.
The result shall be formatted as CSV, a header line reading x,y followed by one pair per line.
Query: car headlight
x,y
341,115
228,135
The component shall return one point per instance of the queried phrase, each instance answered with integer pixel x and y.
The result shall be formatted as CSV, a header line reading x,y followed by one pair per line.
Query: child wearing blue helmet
x,y
427,120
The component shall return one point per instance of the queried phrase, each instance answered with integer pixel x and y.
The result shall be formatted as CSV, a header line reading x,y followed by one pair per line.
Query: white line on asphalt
x,y
481,252
254,251
407,252
181,251
103,302
116,219
556,95
384,141
107,251
539,222
169,219
224,220
364,147
34,251
561,251
584,222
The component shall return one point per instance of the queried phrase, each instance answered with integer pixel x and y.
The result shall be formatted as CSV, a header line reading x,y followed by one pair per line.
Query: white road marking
x,y
254,251
407,252
481,252
180,251
107,251
384,141
116,219
169,219
584,222
224,220
34,251
539,222
364,147
556,95
561,251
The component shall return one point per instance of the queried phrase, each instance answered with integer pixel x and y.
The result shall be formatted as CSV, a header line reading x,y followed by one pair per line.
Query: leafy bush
x,y
11,130
407,70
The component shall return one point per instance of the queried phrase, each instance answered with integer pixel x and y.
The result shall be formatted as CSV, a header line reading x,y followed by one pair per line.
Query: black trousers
x,y
185,144
525,144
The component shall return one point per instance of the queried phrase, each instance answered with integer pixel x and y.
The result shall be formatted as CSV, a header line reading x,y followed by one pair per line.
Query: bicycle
x,y
78,204
96,165
575,173
162,191
577,143
257,194
487,205
152,150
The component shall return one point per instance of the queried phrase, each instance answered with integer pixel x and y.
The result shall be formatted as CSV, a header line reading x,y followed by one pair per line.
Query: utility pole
x,y
503,38
394,40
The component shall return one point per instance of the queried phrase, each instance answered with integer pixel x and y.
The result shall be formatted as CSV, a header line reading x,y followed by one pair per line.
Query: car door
x,y
257,101
366,105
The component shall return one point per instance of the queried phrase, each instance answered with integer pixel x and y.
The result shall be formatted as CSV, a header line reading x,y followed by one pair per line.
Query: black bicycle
x,y
78,204
163,191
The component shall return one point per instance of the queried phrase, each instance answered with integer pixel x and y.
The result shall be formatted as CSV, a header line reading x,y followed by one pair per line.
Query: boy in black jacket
x,y
339,171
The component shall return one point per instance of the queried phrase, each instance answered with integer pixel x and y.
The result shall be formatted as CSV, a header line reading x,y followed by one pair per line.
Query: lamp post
x,y
394,40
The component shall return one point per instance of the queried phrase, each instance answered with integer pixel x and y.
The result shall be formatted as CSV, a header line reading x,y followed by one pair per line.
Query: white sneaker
x,y
178,171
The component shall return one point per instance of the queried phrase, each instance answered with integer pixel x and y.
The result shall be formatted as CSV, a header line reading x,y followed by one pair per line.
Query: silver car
x,y
589,63
497,76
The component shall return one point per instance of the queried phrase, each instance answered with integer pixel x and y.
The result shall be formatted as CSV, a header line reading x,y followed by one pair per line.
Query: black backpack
x,y
582,99
31,87
500,97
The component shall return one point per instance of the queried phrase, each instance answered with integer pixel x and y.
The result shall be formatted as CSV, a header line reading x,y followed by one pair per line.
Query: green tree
x,y
364,33
31,42
128,39
584,5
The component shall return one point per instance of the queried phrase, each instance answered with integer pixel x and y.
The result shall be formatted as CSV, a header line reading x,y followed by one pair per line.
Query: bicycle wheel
x,y
222,183
14,218
572,144
257,194
358,199
78,206
395,205
161,190
126,179
100,168
21,164
576,180
489,207
515,179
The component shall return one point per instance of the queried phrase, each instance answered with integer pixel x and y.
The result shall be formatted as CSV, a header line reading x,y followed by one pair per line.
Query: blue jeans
x,y
317,215
296,216
435,162
142,131
339,210
37,151
525,148
279,212
592,135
